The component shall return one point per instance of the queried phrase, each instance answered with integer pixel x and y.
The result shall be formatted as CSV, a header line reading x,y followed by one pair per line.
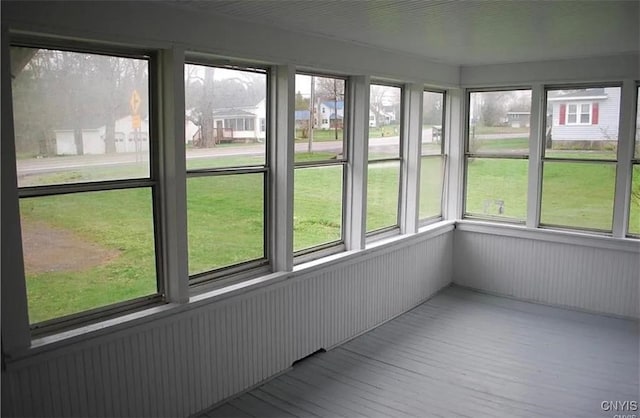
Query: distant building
x,y
585,115
518,119
93,139
240,123
331,112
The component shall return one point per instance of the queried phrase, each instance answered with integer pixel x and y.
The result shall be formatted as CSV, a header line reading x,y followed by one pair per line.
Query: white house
x,y
239,123
518,119
93,139
327,114
381,117
585,115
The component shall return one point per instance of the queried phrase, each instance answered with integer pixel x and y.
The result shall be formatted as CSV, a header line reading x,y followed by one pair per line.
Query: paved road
x,y
54,164
71,162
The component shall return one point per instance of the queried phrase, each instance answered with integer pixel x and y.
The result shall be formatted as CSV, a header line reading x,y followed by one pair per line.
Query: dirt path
x,y
48,249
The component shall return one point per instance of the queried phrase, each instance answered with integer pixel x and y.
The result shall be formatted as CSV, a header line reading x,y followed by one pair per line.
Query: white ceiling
x,y
471,32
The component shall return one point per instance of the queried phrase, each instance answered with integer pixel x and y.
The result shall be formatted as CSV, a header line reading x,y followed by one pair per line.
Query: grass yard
x,y
226,225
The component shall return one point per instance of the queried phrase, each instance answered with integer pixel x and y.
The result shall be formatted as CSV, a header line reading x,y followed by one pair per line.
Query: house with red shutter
x,y
586,115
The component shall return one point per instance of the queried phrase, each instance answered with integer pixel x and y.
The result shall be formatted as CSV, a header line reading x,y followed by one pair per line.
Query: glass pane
x,y
432,121
79,117
497,188
225,217
317,206
383,188
499,122
431,181
225,117
634,213
638,126
578,195
319,105
385,116
582,123
87,250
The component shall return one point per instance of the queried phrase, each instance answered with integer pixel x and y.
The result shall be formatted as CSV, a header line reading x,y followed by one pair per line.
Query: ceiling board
x,y
450,31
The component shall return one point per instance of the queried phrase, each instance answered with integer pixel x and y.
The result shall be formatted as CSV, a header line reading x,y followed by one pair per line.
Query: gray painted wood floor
x,y
463,354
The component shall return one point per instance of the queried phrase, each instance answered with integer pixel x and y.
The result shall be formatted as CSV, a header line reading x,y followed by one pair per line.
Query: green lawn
x,y
225,219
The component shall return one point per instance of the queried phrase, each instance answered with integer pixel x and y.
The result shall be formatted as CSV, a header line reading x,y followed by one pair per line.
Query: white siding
x,y
608,121
181,364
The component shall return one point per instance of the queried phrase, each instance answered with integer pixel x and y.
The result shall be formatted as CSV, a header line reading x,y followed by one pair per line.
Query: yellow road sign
x,y
135,102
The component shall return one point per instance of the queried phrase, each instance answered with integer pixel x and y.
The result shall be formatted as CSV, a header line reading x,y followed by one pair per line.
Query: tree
x,y
331,89
432,109
70,90
301,102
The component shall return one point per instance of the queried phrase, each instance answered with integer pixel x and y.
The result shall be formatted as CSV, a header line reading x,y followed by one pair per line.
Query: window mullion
x,y
536,141
411,141
15,317
626,142
169,90
358,146
282,165
453,195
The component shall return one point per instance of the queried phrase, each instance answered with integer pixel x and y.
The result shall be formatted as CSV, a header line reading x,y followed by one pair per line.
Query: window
x,y
433,158
385,159
320,164
579,114
579,162
496,154
634,212
227,169
87,207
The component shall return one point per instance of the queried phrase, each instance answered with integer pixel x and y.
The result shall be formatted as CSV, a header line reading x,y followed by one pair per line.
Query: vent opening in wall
x,y
315,353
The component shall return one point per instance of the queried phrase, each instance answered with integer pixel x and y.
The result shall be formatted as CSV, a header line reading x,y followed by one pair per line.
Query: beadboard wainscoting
x,y
179,364
590,273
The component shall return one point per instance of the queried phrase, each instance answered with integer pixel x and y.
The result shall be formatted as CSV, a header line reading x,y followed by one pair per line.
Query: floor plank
x,y
462,354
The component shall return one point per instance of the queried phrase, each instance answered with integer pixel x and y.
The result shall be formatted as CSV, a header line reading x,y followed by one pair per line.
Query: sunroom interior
x,y
293,208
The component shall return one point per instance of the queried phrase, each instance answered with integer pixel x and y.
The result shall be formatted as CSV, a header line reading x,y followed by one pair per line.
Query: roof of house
x,y
584,94
302,115
238,113
333,104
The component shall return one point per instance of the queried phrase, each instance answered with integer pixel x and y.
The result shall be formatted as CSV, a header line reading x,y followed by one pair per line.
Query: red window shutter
x,y
595,113
563,114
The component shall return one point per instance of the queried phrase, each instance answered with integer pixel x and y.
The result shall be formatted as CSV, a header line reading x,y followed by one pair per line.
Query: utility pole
x,y
312,106
335,108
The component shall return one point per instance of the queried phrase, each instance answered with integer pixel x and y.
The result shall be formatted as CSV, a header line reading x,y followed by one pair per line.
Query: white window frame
x,y
154,182
497,155
246,268
332,247
578,114
443,155
550,159
400,159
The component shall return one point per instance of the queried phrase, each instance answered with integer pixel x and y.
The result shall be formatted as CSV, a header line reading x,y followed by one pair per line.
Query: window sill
x,y
216,292
584,239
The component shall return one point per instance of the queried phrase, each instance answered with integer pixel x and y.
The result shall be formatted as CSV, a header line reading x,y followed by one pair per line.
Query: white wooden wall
x,y
586,273
183,363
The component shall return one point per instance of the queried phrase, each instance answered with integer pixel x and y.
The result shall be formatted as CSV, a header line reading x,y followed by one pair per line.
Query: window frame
x,y
336,246
497,156
400,159
442,155
152,182
578,114
635,160
247,268
544,158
